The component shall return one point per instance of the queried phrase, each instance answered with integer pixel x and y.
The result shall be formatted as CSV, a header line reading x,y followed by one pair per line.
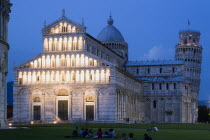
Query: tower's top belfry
x,y
189,38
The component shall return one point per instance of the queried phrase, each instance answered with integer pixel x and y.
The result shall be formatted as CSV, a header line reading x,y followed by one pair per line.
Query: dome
x,y
110,33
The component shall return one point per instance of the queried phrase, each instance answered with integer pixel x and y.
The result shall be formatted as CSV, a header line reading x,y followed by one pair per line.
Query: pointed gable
x,y
63,25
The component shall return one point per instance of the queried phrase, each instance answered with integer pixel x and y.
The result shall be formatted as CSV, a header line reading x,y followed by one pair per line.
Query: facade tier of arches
x,y
64,43
63,60
64,76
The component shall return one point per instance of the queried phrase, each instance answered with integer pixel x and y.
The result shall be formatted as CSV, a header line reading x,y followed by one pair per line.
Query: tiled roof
x,y
158,62
163,79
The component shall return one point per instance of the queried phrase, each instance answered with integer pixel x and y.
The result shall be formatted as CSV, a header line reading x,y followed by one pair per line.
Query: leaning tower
x,y
4,47
190,51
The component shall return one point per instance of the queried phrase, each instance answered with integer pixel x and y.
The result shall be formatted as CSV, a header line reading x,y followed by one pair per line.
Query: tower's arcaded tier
x,y
190,51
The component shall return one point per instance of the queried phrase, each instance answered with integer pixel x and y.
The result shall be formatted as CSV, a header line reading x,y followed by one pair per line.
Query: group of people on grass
x,y
88,133
153,128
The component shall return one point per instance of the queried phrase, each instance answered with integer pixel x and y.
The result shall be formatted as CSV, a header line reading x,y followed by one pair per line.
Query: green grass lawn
x,y
59,133
122,125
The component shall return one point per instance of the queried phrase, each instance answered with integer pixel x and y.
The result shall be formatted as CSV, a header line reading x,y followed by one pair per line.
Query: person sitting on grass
x,y
90,133
130,136
81,132
99,134
75,132
123,136
155,128
149,129
111,133
86,134
105,135
146,137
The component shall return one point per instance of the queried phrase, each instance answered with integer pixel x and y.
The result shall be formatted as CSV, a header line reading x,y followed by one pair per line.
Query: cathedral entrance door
x,y
89,112
37,113
63,109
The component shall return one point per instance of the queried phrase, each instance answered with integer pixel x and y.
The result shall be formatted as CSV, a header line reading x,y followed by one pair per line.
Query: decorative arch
x,y
49,91
90,95
23,91
104,91
62,88
90,91
62,92
77,91
36,92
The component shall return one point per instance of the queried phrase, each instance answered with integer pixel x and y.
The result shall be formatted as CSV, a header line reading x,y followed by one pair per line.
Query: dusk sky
x,y
150,27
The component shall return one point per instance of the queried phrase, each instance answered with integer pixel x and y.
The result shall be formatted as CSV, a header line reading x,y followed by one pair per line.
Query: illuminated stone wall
x,y
4,47
77,68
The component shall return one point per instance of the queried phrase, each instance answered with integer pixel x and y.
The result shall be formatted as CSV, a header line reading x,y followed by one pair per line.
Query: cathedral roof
x,y
151,63
63,18
110,33
163,79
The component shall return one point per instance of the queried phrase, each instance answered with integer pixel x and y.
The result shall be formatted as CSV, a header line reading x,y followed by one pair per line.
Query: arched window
x,y
63,62
167,86
53,77
56,29
52,30
98,63
153,86
148,70
48,31
91,77
91,62
37,79
173,69
154,104
63,77
74,77
160,86
62,46
53,63
72,63
161,70
53,46
185,41
20,81
174,85
38,64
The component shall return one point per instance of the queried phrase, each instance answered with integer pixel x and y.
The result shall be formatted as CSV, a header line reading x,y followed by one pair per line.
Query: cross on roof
x,y
63,12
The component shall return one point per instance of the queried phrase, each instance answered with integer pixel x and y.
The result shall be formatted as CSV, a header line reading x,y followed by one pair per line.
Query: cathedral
x,y
78,77
4,47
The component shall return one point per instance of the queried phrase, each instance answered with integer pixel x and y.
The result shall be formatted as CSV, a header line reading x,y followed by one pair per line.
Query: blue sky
x,y
150,27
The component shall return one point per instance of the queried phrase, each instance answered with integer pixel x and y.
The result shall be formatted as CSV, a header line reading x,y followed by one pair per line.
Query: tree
x,y
203,114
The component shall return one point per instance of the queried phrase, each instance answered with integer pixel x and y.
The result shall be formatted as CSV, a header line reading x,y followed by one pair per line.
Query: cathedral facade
x,y
4,47
79,77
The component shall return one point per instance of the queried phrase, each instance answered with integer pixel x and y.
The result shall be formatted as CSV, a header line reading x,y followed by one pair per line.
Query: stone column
x,y
97,106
